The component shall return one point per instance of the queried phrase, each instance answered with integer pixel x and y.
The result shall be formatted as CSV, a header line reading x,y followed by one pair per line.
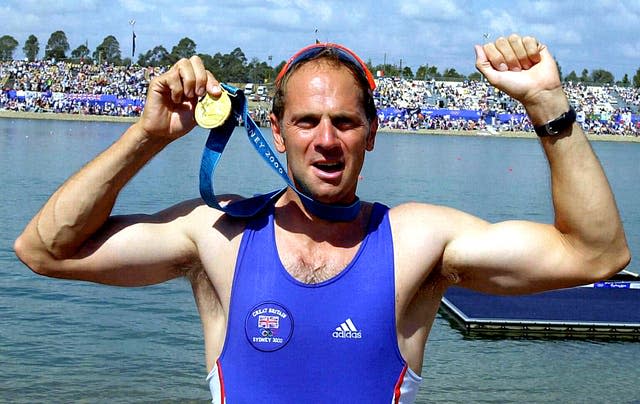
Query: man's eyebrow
x,y
301,115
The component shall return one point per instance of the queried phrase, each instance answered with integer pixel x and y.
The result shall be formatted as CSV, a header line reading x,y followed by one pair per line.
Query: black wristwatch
x,y
556,126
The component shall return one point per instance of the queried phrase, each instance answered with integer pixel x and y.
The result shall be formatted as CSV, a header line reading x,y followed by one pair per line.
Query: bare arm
x,y
586,242
73,236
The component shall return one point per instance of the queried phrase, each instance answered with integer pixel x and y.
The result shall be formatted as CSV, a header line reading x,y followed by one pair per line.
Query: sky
x,y
597,34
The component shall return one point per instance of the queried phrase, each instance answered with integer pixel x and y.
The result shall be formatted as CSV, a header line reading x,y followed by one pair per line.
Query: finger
x,y
187,76
213,86
504,47
483,65
172,81
205,80
495,57
200,75
520,51
533,48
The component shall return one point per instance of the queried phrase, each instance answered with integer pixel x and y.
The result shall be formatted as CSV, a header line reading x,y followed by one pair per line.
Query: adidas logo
x,y
347,330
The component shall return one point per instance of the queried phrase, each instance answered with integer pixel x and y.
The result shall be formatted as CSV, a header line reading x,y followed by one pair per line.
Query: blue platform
x,y
609,309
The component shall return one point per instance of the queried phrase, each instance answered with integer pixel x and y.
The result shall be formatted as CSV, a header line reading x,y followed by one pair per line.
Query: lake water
x,y
63,341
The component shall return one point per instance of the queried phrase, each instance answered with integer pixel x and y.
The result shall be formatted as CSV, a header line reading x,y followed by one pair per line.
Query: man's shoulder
x,y
199,219
414,219
420,210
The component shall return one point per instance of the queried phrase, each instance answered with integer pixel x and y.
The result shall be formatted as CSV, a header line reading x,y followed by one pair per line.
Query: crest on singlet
x,y
268,326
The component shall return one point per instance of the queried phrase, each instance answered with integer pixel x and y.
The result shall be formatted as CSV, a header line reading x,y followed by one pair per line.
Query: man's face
x,y
324,132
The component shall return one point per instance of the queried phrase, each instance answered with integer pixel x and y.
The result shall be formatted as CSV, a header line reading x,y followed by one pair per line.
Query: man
x,y
296,307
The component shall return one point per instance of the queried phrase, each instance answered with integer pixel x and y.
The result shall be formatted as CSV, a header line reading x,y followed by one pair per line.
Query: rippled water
x,y
64,341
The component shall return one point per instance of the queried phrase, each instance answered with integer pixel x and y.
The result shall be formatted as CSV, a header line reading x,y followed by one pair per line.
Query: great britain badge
x,y
268,326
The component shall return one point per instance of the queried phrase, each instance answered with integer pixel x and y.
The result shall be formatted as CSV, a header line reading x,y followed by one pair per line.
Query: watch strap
x,y
556,126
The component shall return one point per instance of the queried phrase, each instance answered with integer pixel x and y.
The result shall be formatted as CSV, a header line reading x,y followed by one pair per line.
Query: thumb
x,y
543,56
482,63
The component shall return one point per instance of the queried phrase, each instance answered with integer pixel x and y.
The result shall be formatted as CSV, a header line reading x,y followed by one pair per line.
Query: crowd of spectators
x,y
75,88
600,109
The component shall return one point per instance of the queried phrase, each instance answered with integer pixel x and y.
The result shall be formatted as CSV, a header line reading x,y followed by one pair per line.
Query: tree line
x,y
235,67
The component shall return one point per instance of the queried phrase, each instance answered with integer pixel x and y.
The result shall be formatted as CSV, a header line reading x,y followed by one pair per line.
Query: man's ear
x,y
276,131
371,137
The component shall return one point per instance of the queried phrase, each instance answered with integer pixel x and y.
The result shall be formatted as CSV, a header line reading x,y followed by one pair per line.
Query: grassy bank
x,y
104,118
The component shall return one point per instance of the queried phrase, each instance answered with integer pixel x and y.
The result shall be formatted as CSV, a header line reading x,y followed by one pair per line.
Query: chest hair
x,y
317,255
313,266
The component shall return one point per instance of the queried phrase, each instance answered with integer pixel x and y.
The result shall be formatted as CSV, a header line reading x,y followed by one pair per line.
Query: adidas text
x,y
347,330
347,334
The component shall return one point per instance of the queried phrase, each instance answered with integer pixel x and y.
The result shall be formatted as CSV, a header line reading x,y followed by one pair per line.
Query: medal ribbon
x,y
245,208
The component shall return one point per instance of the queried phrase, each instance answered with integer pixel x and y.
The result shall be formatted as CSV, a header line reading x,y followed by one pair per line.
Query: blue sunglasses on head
x,y
343,53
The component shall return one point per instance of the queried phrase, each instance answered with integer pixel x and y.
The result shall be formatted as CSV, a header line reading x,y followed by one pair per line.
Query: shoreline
x,y
51,116
4,114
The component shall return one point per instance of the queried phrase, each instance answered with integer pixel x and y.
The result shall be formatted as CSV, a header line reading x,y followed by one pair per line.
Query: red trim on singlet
x,y
221,382
396,395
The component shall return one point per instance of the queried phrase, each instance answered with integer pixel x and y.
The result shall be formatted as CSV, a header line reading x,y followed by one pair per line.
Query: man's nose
x,y
327,137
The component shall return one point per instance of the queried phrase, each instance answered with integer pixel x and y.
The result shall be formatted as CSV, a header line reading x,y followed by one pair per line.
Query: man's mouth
x,y
329,167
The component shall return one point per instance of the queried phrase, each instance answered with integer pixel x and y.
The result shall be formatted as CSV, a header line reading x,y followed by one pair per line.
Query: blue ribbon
x,y
246,208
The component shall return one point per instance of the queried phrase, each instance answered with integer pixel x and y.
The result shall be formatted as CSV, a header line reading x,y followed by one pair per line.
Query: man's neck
x,y
315,250
292,216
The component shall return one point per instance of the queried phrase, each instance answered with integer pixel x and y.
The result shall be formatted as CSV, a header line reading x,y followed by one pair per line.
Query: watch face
x,y
554,127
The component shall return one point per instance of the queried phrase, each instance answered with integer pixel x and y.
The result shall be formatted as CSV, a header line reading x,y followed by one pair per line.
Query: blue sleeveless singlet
x,y
330,342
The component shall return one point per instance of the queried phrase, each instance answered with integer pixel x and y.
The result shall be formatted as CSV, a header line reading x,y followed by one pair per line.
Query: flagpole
x,y
133,39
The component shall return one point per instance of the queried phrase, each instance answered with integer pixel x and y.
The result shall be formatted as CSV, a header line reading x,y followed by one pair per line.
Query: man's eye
x,y
344,123
308,122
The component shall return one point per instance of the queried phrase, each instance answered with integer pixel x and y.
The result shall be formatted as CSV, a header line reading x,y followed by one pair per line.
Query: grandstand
x,y
62,87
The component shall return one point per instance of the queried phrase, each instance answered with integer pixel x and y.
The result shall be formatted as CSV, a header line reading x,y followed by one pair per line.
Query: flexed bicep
x,y
514,257
131,250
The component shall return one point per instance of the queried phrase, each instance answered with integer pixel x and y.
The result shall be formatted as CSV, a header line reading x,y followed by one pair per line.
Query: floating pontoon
x,y
608,309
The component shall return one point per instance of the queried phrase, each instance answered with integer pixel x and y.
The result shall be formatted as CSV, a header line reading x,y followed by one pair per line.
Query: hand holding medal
x,y
211,112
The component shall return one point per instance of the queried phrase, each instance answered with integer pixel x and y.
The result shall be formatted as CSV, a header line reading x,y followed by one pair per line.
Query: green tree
x,y
57,46
636,79
31,48
158,56
426,72
280,66
407,73
421,73
8,45
573,77
212,64
108,51
234,66
389,70
601,76
625,82
452,73
184,49
584,77
81,54
371,67
259,72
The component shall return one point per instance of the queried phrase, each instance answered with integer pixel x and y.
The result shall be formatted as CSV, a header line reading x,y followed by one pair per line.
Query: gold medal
x,y
211,112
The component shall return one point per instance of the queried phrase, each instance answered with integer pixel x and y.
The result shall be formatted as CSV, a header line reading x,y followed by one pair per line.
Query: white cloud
x,y
631,51
134,6
501,23
440,33
432,10
315,10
